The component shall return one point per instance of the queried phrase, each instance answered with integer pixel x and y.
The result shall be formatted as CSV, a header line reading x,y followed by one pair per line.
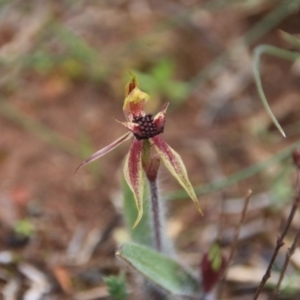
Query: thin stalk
x,y
289,253
279,244
235,239
293,247
238,227
156,215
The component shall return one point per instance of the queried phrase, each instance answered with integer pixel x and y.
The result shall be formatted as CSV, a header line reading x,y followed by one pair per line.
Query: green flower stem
x,y
156,215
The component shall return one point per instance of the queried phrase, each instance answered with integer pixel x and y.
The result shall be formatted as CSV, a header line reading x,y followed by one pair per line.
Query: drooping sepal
x,y
133,173
105,150
175,165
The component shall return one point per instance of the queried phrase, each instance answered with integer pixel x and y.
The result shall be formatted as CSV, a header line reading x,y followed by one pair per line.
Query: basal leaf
x,y
160,269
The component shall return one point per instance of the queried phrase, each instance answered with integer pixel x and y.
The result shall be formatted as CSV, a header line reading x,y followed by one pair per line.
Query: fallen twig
x,y
291,250
236,237
238,228
289,253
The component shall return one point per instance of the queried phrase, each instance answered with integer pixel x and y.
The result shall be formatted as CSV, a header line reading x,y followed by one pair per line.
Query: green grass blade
x,y
290,39
266,49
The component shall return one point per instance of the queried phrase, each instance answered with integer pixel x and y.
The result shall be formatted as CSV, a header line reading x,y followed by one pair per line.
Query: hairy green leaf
x,y
160,269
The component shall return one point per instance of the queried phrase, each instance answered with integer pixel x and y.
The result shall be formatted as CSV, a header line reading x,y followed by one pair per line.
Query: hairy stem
x,y
156,215
157,221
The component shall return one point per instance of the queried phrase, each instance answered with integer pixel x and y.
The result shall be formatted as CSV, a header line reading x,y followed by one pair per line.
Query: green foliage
x,y
289,287
67,64
215,257
159,82
75,60
160,269
117,287
41,61
3,2
24,228
76,46
281,189
86,57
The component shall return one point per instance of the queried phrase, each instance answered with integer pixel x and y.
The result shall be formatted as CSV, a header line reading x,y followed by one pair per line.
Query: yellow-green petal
x,y
132,84
135,103
175,165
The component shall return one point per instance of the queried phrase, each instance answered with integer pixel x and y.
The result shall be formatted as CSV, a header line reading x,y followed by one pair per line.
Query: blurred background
x,y
64,65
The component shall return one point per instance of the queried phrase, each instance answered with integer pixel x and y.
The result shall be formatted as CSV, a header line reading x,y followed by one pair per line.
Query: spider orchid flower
x,y
147,147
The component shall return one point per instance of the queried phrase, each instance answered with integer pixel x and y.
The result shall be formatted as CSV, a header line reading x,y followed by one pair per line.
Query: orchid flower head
x,y
147,148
